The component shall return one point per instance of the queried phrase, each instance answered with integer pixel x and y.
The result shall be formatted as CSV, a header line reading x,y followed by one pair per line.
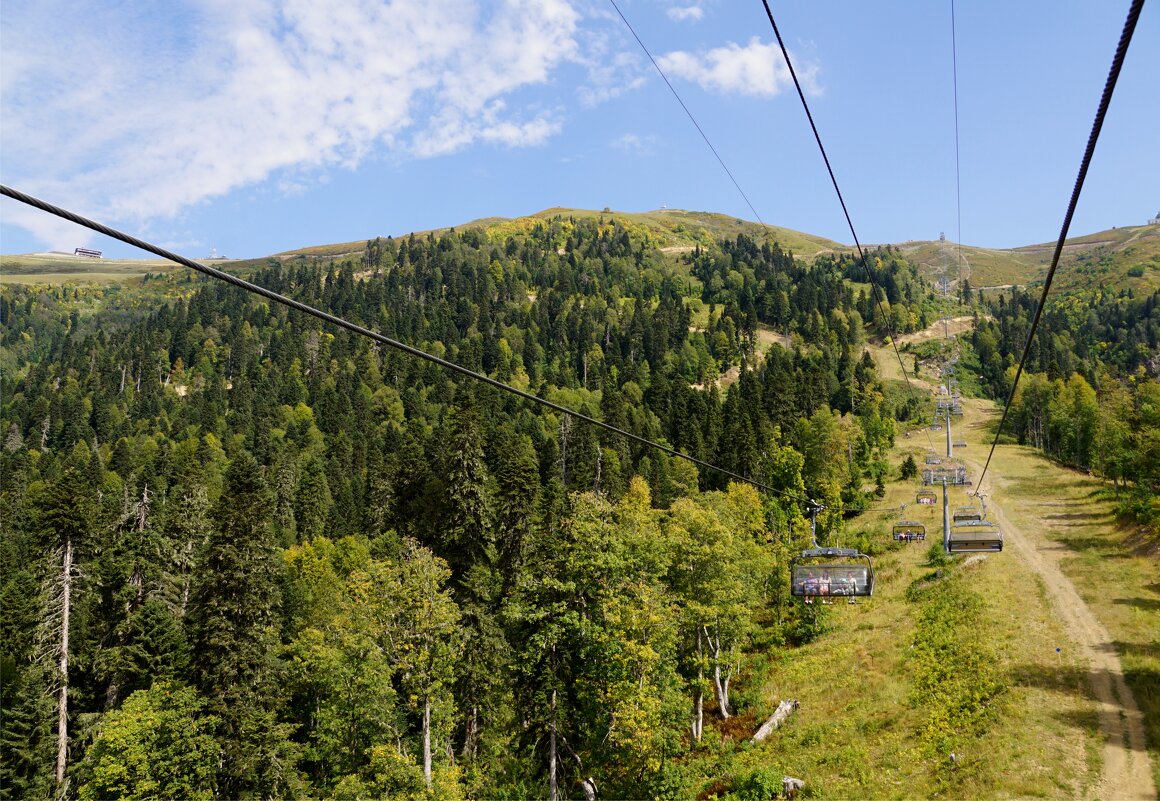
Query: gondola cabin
x,y
909,531
826,572
967,514
926,497
975,536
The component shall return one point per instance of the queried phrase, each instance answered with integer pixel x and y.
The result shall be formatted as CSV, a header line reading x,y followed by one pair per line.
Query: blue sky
x,y
255,126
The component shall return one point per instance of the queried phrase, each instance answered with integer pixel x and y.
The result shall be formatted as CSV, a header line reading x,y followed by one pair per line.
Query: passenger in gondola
x,y
810,586
850,586
824,586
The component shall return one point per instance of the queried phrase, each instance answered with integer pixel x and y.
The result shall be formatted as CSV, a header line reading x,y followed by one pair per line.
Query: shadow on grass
x,y
1101,545
1143,682
1140,603
1121,648
1070,680
1145,686
1088,720
1089,517
1145,649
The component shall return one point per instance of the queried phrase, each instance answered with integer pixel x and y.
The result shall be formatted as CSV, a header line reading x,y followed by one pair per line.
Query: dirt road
x,y
1127,772
957,326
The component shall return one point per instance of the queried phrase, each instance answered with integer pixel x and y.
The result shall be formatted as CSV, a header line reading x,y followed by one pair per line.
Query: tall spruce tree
x,y
234,618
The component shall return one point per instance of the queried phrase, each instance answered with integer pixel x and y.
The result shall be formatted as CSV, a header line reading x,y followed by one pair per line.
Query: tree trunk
x,y
62,696
790,786
427,741
722,691
783,711
720,683
699,694
698,714
471,735
553,787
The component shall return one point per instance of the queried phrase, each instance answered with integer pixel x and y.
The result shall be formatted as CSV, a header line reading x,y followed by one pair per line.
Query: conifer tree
x,y
64,511
234,623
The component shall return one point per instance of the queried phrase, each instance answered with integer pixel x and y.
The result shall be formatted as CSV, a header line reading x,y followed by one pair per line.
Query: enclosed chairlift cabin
x,y
974,536
928,497
828,572
967,514
909,531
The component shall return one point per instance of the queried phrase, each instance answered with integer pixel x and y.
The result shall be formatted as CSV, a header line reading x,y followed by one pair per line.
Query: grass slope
x,y
958,654
953,658
1127,257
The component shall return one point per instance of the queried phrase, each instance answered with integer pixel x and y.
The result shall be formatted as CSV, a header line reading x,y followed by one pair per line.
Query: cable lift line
x,y
958,181
1101,112
269,294
689,113
366,332
842,201
725,167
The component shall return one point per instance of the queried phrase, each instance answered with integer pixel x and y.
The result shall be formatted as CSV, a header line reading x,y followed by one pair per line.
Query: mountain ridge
x,y
1127,256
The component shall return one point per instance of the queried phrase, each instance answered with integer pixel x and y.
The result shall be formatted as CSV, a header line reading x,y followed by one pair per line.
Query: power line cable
x,y
737,185
958,182
689,113
366,332
1105,100
861,253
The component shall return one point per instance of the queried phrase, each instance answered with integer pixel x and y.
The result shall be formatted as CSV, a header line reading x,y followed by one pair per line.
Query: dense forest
x,y
1089,395
245,555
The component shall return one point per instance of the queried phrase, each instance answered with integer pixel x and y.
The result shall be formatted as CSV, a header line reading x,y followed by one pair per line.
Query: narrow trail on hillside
x,y
1127,772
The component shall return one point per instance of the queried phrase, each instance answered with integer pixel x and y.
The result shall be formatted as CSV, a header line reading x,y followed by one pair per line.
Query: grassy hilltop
x,y
1127,257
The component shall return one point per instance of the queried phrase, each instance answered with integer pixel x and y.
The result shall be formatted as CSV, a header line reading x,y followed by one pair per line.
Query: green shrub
x,y
936,554
762,784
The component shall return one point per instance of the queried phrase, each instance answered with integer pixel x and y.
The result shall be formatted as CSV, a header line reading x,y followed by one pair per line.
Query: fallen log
x,y
776,719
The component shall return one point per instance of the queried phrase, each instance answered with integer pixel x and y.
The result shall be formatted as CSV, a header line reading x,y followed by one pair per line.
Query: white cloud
x,y
134,113
613,62
451,130
755,69
683,13
623,72
635,143
56,233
